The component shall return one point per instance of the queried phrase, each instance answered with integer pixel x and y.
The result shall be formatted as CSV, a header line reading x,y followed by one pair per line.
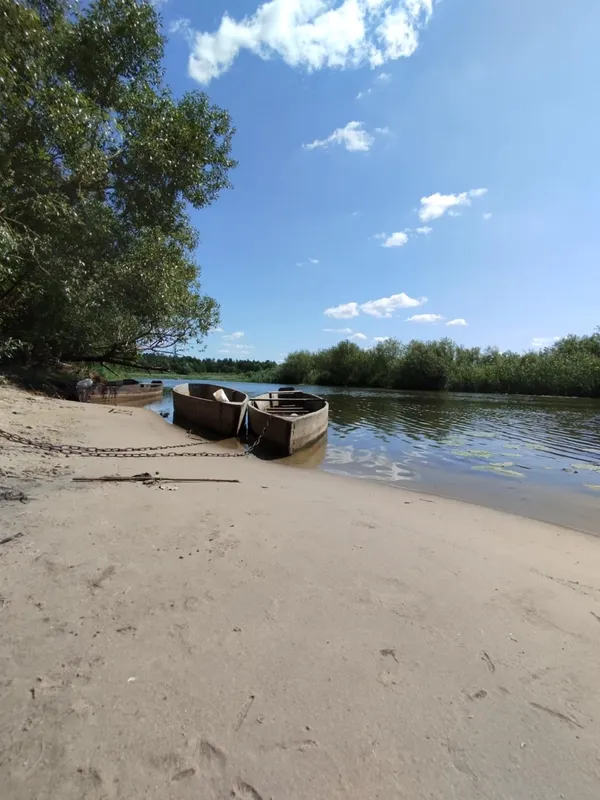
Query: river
x,y
535,456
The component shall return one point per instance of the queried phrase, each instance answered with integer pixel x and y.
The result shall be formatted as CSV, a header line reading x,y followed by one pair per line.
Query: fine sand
x,y
295,636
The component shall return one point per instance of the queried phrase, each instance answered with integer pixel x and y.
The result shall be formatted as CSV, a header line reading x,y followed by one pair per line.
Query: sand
x,y
293,636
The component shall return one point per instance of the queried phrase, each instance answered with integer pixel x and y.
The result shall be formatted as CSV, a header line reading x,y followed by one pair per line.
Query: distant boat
x,y
288,419
122,392
214,408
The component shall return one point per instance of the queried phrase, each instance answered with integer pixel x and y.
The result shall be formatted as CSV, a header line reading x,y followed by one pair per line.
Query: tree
x,y
98,162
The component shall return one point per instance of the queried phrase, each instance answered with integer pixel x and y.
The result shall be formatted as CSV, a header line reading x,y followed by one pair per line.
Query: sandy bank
x,y
293,636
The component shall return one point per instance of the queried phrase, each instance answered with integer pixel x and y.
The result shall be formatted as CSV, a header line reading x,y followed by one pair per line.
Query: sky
x,y
407,168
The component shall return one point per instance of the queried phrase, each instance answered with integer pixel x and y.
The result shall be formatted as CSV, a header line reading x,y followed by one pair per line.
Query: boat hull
x,y
125,393
287,433
194,403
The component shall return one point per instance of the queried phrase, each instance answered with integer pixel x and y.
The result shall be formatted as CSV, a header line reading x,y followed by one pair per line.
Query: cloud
x,y
225,351
424,231
216,330
337,330
313,35
398,239
539,342
353,137
380,339
314,260
382,78
359,337
436,205
487,215
236,335
457,323
344,311
425,318
385,306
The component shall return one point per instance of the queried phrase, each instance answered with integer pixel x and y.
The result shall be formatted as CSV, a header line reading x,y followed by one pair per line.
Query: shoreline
x,y
294,636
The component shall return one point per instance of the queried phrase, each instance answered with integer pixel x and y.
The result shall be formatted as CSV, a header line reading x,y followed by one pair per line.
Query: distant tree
x,y
98,162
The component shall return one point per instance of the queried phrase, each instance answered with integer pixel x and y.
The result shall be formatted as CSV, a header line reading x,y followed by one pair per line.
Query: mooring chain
x,y
89,451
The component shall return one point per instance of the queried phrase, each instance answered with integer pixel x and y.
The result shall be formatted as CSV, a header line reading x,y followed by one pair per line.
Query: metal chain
x,y
129,452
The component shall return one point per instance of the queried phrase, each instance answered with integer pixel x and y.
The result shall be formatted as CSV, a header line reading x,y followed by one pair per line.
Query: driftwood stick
x,y
154,479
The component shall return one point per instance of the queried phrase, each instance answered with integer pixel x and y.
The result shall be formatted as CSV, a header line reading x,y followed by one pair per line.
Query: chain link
x,y
130,452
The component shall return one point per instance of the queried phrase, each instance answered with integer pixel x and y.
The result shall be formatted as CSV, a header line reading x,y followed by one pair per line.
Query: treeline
x,y
188,365
570,367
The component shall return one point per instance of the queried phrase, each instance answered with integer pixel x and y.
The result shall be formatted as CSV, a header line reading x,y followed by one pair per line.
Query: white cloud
x,y
226,352
457,323
436,205
344,311
313,35
487,215
398,239
424,231
231,336
314,260
453,213
360,337
216,330
426,318
353,137
385,306
380,339
243,347
382,78
343,331
539,342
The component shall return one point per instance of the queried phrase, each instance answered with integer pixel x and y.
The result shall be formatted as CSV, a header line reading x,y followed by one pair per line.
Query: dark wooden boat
x,y
196,403
127,391
295,419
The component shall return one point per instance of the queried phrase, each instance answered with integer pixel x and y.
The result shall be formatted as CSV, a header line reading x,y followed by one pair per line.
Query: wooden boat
x,y
127,391
295,419
196,403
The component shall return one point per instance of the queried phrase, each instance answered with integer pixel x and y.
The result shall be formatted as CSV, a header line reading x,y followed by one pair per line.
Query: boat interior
x,y
288,403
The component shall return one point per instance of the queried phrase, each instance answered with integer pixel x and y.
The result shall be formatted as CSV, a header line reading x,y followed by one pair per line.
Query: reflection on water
x,y
529,454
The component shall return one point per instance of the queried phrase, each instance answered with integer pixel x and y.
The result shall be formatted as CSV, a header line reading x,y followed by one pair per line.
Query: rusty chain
x,y
129,452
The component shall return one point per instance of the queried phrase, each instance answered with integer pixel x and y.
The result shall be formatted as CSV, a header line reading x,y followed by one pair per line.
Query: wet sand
x,y
293,636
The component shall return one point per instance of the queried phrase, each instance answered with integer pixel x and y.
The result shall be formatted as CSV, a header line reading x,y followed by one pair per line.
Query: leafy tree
x,y
98,162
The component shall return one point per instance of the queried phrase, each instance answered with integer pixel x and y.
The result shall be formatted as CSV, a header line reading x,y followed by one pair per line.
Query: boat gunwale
x,y
238,403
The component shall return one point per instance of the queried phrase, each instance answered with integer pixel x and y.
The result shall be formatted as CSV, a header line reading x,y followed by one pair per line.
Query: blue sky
x,y
367,132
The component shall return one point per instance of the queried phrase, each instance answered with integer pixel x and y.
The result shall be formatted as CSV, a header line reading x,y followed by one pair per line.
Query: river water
x,y
534,456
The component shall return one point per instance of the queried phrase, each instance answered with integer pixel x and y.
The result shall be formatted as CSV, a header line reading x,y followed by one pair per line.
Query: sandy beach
x,y
294,636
